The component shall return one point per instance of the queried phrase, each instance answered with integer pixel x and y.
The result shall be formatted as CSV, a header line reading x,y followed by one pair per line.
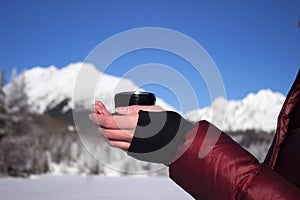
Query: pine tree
x,y
17,105
2,105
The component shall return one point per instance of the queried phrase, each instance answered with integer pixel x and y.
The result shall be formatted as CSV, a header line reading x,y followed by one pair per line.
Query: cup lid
x,y
134,98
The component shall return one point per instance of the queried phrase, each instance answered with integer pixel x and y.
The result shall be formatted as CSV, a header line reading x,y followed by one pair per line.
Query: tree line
x,y
32,143
15,127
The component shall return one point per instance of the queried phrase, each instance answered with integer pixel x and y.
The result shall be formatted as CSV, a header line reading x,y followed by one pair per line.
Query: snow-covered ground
x,y
66,187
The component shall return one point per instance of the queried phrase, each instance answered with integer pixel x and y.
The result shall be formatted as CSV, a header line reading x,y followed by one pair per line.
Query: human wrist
x,y
157,136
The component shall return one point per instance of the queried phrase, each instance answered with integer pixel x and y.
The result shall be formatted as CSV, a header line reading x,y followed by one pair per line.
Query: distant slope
x,y
48,87
51,90
255,112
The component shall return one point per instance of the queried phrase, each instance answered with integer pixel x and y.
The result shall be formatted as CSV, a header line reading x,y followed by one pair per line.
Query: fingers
x,y
115,122
130,110
119,129
100,108
120,144
117,135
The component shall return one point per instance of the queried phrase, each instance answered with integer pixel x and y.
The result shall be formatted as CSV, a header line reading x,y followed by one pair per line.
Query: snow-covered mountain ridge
x,y
254,112
47,87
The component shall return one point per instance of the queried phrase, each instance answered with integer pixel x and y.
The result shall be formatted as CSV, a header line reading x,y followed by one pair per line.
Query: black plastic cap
x,y
134,98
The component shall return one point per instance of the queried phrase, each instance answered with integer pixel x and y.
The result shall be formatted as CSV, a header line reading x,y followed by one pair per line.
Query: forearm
x,y
227,171
208,163
268,184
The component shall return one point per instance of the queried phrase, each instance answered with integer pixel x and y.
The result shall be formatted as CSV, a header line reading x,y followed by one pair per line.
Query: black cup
x,y
134,98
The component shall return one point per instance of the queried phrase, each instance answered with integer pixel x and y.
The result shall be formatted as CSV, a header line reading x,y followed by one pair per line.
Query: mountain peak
x,y
48,87
257,111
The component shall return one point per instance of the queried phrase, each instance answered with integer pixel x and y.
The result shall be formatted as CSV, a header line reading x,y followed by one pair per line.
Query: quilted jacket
x,y
227,171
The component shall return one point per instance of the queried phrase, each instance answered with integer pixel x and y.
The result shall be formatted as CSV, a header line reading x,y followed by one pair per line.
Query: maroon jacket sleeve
x,y
227,171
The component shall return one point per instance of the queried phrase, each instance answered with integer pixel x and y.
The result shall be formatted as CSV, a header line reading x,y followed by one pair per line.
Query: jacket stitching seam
x,y
240,192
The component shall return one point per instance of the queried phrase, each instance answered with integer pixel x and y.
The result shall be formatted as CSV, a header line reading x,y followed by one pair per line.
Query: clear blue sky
x,y
255,44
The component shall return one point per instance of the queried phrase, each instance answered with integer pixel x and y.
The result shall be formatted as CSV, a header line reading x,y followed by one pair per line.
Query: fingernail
x,y
98,102
121,109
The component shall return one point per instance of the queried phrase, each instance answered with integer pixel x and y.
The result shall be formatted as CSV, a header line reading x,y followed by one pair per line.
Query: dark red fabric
x,y
288,161
227,171
285,120
268,184
296,117
230,172
284,154
218,174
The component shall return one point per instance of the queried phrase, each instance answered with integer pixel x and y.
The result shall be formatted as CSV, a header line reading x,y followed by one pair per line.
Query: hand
x,y
119,129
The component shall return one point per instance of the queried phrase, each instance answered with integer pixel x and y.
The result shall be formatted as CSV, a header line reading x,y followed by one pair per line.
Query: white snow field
x,y
48,187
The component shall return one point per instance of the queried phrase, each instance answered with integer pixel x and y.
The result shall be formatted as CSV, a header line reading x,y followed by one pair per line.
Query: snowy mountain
x,y
50,90
256,111
48,87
